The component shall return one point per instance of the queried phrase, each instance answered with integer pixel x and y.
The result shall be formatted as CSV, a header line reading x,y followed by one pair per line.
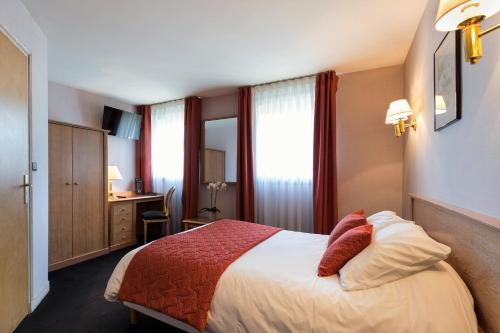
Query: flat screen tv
x,y
121,123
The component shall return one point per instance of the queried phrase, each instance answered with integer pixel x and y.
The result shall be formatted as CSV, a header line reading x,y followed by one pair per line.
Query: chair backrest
x,y
167,202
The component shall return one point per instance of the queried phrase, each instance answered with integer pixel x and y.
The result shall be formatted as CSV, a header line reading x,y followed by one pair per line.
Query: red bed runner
x,y
177,275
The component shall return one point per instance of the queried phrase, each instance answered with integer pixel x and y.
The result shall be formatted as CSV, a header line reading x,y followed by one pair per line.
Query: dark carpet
x,y
76,303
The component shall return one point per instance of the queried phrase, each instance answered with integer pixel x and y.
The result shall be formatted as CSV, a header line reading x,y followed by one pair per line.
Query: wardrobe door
x,y
61,193
88,191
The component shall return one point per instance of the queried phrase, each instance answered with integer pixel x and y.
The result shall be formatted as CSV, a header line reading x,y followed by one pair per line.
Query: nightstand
x,y
194,222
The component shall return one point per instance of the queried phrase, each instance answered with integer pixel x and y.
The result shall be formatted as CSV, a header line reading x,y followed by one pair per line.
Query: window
x,y
167,151
283,116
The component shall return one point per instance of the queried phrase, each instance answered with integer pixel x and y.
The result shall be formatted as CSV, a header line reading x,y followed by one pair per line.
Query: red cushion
x,y
350,221
344,249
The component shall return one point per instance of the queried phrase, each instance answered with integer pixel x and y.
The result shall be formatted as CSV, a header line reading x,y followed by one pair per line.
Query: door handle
x,y
76,183
68,183
26,184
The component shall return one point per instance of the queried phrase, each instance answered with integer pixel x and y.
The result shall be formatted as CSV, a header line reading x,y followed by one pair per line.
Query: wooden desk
x,y
125,217
195,222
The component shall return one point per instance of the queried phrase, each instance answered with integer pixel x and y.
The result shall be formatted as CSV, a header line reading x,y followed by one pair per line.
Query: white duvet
x,y
274,288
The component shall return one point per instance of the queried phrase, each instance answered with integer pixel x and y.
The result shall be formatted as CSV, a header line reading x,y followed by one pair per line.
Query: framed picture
x,y
448,81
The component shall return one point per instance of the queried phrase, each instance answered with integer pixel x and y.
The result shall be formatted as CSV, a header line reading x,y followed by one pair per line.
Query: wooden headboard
x,y
475,242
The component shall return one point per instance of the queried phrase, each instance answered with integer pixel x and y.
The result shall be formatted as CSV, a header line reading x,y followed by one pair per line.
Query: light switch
x,y
34,166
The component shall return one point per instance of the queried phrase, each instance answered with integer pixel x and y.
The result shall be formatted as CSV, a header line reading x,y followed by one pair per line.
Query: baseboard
x,y
78,259
37,299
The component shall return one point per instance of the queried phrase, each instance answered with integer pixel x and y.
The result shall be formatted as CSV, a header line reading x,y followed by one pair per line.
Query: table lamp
x,y
113,174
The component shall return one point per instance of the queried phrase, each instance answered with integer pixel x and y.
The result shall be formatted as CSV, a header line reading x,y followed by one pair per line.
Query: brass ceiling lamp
x,y
467,16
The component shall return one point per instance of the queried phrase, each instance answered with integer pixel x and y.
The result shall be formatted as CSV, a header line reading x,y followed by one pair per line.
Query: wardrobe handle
x,y
68,183
76,183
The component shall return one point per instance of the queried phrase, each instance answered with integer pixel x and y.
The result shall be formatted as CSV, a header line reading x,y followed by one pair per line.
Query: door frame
x,y
27,52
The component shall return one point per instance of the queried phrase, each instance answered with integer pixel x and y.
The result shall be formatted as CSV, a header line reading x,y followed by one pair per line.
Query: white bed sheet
x,y
274,288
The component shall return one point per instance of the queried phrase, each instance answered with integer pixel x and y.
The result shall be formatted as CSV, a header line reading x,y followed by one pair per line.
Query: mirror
x,y
219,151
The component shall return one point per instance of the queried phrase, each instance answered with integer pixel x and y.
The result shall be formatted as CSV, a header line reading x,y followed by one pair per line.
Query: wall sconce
x,y
397,114
467,15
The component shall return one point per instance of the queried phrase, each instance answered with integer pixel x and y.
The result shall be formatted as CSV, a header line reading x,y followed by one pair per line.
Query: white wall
x,y
458,165
83,108
17,22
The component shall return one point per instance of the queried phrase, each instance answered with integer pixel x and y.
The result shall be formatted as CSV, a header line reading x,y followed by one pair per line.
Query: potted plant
x,y
214,189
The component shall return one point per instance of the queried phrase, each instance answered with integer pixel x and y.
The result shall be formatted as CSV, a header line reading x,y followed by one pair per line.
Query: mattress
x,y
274,288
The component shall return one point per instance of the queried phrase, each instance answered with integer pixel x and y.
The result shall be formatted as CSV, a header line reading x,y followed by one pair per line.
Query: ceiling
x,y
156,50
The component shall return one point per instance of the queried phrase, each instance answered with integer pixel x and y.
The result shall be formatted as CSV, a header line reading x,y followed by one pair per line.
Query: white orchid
x,y
214,188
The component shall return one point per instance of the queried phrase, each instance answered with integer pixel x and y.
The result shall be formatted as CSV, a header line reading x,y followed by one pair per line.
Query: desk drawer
x,y
122,234
122,223
122,209
119,219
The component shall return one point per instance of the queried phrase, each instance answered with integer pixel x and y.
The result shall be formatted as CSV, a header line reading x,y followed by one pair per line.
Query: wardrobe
x,y
78,228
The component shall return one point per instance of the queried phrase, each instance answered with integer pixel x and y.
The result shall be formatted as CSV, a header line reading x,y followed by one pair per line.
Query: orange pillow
x,y
350,221
344,249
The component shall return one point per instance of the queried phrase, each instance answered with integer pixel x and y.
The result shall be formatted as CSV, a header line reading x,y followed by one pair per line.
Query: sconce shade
x,y
440,105
114,173
398,110
453,12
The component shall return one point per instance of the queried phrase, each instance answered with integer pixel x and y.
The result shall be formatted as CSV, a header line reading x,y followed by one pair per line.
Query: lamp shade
x,y
453,12
398,110
440,105
114,173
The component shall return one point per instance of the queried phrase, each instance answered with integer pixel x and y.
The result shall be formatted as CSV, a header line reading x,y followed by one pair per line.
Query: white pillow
x,y
395,252
384,219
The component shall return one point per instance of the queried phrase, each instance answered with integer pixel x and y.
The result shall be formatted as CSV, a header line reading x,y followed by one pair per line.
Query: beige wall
x,y
369,157
212,108
83,108
458,165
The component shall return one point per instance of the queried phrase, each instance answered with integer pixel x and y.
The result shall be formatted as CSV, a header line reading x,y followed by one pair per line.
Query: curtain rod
x,y
284,80
255,85
173,100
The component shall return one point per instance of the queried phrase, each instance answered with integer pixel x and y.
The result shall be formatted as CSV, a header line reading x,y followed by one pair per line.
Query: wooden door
x,y
88,191
61,193
14,165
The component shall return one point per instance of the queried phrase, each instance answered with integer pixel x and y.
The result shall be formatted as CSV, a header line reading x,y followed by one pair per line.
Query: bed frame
x,y
475,242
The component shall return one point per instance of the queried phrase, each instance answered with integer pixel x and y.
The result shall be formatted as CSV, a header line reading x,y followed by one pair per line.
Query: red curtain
x,y
244,184
192,135
325,154
143,149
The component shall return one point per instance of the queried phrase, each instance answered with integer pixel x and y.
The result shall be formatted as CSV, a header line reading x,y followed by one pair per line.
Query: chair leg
x,y
133,317
145,232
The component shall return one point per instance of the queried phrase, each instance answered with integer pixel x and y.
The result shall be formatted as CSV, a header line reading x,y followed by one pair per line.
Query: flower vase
x,y
212,216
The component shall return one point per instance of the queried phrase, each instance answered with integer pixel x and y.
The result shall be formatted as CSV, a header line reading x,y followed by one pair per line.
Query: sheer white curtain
x,y
283,116
167,152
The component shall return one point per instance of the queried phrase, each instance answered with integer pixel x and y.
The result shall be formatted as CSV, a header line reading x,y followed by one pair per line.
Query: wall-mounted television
x,y
121,123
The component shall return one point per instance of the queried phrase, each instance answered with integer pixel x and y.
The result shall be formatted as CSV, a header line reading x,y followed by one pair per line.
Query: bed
x,y
274,287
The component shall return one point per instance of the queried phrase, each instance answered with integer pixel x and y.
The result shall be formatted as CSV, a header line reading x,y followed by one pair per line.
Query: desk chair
x,y
154,216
